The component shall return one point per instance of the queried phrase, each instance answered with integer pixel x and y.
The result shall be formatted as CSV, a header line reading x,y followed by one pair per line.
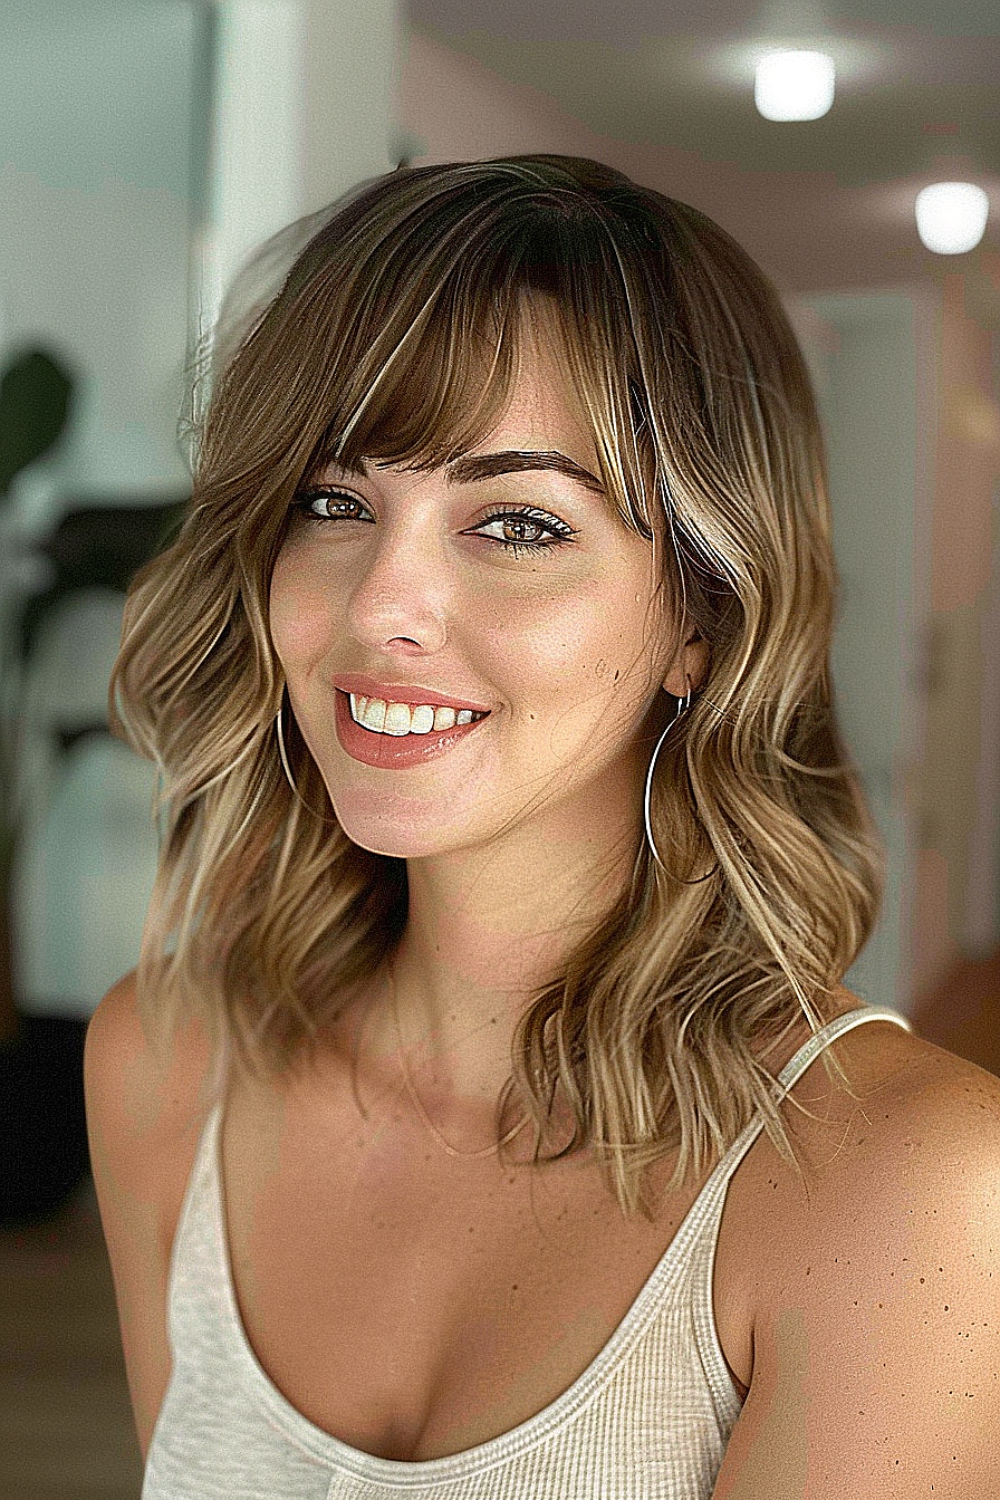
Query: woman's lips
x,y
393,752
356,682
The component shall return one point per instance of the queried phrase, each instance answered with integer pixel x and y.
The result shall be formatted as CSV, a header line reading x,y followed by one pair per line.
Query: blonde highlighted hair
x,y
394,336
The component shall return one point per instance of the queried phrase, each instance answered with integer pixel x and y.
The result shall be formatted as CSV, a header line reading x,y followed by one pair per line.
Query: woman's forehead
x,y
537,410
544,411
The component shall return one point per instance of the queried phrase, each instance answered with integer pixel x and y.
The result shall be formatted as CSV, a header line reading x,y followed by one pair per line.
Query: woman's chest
x,y
415,1305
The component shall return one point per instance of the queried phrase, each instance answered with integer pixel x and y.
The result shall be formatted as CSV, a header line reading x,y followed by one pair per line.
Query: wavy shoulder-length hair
x,y
394,337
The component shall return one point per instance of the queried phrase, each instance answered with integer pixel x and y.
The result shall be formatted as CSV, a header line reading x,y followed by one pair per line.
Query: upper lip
x,y
396,692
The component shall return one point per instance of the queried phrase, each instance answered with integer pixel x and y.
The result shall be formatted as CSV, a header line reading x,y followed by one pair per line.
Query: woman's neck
x,y
486,930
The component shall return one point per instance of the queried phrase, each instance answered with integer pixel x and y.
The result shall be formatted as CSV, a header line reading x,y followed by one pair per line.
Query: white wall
x,y
454,109
96,117
303,108
959,906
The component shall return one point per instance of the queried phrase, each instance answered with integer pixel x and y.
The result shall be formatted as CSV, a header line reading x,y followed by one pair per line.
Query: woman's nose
x,y
401,591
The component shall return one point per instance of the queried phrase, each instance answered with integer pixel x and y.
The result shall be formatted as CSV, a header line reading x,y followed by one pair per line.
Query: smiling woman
x,y
504,803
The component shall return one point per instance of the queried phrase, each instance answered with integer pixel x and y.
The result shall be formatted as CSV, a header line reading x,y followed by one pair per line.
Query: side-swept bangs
x,y
400,327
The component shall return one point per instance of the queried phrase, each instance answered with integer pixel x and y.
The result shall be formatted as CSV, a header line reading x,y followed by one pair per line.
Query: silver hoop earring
x,y
682,708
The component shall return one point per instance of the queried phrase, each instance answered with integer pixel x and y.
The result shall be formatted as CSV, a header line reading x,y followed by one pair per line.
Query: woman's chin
x,y
399,839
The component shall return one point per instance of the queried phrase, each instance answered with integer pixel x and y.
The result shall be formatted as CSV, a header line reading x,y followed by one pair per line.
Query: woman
x,y
511,864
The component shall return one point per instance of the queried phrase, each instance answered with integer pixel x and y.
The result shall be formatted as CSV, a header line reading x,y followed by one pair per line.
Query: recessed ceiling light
x,y
794,85
951,216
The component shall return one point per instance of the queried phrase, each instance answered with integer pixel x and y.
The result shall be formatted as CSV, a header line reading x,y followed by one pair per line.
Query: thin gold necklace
x,y
489,1150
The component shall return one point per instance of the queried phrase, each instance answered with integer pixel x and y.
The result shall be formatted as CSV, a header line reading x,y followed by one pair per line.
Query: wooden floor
x,y
66,1430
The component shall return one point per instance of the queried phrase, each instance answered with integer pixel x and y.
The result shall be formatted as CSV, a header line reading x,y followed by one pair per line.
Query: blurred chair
x,y
86,857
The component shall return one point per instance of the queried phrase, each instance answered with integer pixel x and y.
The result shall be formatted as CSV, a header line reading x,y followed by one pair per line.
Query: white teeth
x,y
373,714
397,719
400,719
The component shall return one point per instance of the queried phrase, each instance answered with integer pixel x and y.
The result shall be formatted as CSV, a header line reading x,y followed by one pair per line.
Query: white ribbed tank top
x,y
649,1419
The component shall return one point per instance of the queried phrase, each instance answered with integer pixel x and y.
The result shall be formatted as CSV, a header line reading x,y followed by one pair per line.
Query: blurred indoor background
x,y
146,146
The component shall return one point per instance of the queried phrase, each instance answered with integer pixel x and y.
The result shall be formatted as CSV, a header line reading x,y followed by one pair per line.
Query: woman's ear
x,y
691,668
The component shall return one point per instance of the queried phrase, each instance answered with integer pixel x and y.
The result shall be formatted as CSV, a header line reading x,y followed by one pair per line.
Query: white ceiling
x,y
918,99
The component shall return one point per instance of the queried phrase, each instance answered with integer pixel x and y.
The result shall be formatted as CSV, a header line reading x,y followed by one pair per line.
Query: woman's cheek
x,y
304,603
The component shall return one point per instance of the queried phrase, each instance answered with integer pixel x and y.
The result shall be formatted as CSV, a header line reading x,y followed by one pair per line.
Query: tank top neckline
x,y
402,1473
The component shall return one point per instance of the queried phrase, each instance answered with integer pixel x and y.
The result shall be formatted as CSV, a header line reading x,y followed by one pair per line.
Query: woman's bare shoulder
x,y
146,1107
905,1099
913,1114
904,1065
895,1078
142,1088
874,1326
876,1056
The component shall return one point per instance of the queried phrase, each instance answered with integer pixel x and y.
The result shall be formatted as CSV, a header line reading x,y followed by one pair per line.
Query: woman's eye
x,y
328,505
525,531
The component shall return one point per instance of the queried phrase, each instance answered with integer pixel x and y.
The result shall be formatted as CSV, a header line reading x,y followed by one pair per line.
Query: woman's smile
x,y
398,746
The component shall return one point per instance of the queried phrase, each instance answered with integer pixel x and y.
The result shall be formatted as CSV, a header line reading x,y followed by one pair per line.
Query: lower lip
x,y
394,752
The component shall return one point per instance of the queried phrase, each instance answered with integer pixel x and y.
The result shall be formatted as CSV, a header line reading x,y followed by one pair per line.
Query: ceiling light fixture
x,y
951,216
794,85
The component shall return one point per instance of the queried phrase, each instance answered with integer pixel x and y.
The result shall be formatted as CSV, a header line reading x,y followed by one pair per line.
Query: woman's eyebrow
x,y
478,466
472,467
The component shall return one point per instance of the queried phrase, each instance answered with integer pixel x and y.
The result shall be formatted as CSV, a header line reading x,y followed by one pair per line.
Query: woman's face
x,y
515,589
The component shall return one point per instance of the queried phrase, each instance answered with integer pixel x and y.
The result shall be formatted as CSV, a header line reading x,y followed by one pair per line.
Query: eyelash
x,y
560,532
